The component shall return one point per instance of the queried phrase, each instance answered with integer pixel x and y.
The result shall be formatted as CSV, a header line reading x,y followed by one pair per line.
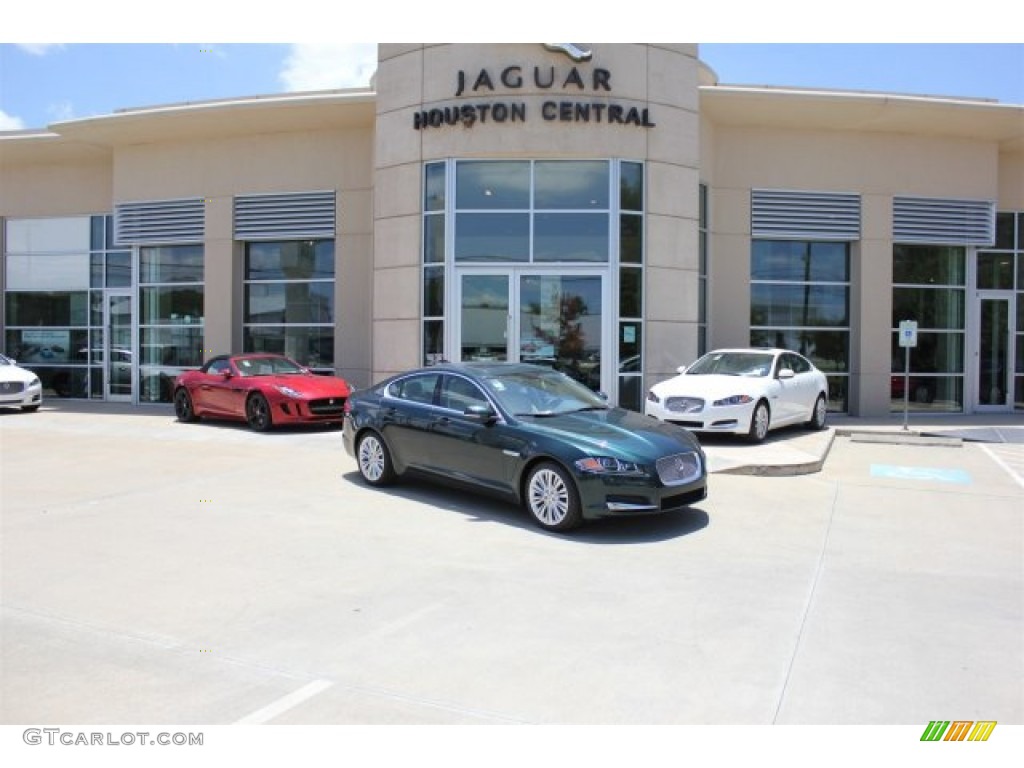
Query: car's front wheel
x,y
257,413
30,408
759,422
374,460
819,414
552,498
183,406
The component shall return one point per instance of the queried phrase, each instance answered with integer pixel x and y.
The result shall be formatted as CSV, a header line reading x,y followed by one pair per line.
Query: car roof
x,y
480,368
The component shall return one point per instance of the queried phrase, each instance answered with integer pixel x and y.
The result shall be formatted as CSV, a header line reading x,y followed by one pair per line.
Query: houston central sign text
x,y
573,106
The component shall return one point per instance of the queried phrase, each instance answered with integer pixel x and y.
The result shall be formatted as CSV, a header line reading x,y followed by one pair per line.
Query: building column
x,y
222,295
871,311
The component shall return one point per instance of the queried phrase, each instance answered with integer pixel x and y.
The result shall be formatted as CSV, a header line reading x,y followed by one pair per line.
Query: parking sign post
x,y
908,339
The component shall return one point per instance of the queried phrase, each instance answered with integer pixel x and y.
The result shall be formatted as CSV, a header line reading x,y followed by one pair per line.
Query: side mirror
x,y
681,369
226,374
482,413
786,373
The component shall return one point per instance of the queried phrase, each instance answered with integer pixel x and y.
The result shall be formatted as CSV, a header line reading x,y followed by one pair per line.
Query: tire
x,y
819,415
257,413
29,408
374,460
183,406
552,499
759,422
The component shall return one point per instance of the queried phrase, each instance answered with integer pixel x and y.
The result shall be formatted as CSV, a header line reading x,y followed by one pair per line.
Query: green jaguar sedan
x,y
525,433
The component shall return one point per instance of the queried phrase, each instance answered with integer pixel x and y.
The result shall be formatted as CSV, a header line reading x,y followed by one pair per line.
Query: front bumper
x,y
628,496
22,398
294,411
726,419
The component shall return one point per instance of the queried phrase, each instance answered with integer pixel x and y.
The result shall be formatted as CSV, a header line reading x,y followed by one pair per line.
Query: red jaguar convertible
x,y
260,389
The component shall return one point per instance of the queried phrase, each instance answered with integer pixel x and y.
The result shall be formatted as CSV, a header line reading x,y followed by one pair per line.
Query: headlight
x,y
33,384
651,397
607,465
734,400
288,391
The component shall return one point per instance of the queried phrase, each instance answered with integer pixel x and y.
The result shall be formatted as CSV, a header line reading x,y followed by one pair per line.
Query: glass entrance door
x,y
560,324
994,352
545,318
117,350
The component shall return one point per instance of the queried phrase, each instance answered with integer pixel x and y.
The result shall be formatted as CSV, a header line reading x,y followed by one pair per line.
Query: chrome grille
x,y
678,469
685,404
11,387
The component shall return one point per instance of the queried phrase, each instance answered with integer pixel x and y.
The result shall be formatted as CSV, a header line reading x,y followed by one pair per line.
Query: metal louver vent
x,y
302,215
943,222
794,215
160,221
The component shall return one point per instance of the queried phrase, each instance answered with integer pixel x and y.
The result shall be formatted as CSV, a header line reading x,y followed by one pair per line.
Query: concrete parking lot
x,y
157,572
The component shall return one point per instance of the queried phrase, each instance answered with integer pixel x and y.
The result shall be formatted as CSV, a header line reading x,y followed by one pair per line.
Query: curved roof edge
x,y
798,108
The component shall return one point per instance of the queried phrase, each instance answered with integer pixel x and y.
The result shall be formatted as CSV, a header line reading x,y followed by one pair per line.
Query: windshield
x,y
733,364
541,393
267,366
6,360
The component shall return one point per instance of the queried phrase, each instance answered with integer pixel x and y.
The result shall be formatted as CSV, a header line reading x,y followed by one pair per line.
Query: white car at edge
x,y
743,392
19,388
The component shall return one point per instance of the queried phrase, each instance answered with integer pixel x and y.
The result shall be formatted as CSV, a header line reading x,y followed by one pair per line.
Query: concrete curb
x,y
901,438
784,470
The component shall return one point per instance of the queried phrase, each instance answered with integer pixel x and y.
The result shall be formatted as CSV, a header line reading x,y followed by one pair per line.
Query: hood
x,y
616,432
712,386
15,373
311,385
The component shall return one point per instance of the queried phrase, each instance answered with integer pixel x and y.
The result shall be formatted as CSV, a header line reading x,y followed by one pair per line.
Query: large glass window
x,y
49,323
929,287
289,301
800,300
171,315
702,291
630,331
1003,268
532,211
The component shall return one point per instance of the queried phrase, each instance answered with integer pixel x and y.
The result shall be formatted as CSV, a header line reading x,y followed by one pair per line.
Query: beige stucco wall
x,y
661,78
55,189
1011,180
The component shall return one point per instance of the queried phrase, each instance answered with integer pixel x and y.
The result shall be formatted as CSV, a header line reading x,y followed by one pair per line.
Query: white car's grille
x,y
678,469
11,387
684,404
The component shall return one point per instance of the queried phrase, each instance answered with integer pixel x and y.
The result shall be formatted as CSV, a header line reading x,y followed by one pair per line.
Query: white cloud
x,y
40,49
60,111
315,67
10,122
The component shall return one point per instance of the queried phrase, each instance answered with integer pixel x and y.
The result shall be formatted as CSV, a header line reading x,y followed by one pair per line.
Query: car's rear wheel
x,y
552,498
759,422
183,405
257,413
819,414
374,460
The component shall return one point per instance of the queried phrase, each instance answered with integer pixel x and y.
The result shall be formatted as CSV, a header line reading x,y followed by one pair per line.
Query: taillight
x,y
347,408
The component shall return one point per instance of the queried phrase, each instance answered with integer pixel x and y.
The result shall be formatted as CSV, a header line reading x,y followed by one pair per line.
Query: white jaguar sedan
x,y
744,392
19,388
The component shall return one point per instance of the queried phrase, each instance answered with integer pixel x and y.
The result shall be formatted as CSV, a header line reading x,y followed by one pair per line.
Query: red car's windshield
x,y
267,366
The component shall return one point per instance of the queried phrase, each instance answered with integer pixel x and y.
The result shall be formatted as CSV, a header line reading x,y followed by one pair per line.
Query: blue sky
x,y
115,56
43,84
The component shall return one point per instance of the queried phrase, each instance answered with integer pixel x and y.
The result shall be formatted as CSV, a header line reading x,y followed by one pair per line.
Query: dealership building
x,y
611,210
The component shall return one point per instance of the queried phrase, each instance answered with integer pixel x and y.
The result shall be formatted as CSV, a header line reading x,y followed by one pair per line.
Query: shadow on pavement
x,y
482,508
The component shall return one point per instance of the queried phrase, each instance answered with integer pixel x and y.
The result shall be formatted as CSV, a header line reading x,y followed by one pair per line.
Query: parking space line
x,y
285,703
999,460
